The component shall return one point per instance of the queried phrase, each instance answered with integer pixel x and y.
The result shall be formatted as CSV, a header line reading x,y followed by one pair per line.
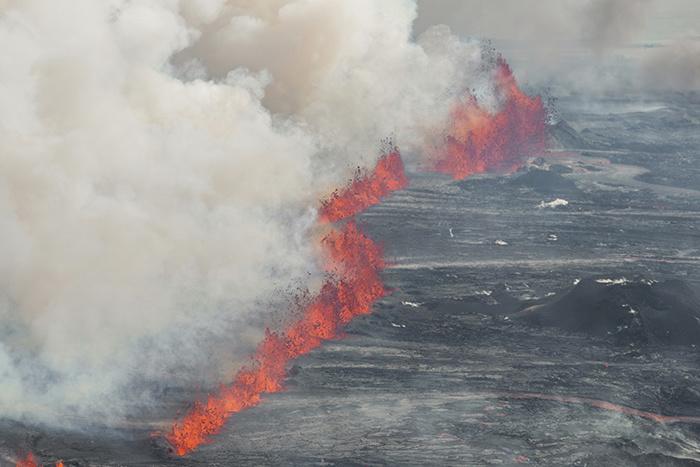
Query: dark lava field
x,y
546,317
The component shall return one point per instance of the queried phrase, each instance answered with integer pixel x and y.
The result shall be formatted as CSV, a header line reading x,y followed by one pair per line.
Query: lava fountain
x,y
353,263
478,141
366,189
28,461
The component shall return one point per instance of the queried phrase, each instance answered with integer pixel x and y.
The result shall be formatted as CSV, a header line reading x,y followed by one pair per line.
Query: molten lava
x,y
28,461
366,189
353,263
478,141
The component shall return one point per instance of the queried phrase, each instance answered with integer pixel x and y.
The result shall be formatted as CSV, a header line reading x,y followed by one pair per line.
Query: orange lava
x,y
28,461
478,141
366,189
353,263
356,262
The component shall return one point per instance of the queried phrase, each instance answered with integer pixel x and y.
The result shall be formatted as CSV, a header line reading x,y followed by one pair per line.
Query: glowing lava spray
x,y
30,461
353,262
478,141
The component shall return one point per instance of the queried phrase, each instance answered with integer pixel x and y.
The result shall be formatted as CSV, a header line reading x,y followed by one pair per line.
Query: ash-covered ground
x,y
485,353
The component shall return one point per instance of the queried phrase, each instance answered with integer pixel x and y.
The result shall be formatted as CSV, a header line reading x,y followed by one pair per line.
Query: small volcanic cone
x,y
478,141
627,311
353,263
366,189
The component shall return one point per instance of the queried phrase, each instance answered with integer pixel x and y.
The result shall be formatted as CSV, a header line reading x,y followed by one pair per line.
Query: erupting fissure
x,y
366,189
478,141
30,461
353,263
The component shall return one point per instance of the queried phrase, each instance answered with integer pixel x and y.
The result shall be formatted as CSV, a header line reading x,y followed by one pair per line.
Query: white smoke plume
x,y
160,166
674,66
585,46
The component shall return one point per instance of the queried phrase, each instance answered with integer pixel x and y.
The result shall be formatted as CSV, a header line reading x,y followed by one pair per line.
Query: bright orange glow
x,y
366,189
354,263
478,141
28,461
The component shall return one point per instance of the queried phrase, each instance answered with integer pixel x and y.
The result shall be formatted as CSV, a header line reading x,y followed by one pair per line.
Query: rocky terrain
x,y
546,317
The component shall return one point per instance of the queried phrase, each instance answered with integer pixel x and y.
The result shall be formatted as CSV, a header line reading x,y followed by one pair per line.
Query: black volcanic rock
x,y
630,311
544,181
499,302
564,136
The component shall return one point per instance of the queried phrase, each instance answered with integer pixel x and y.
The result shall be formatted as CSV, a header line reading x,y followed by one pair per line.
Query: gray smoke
x,y
160,166
674,66
588,46
611,23
596,24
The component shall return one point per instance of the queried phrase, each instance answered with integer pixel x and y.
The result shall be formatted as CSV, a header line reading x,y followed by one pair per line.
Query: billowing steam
x,y
587,46
161,164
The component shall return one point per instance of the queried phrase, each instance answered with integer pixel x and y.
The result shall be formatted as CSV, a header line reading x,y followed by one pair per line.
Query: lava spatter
x,y
353,263
27,461
478,141
366,189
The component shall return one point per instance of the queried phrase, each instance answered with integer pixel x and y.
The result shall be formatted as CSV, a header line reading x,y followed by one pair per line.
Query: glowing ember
x,y
366,189
28,461
478,141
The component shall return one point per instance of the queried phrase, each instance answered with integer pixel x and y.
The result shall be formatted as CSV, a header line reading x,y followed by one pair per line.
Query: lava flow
x,y
353,263
30,461
478,141
366,189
